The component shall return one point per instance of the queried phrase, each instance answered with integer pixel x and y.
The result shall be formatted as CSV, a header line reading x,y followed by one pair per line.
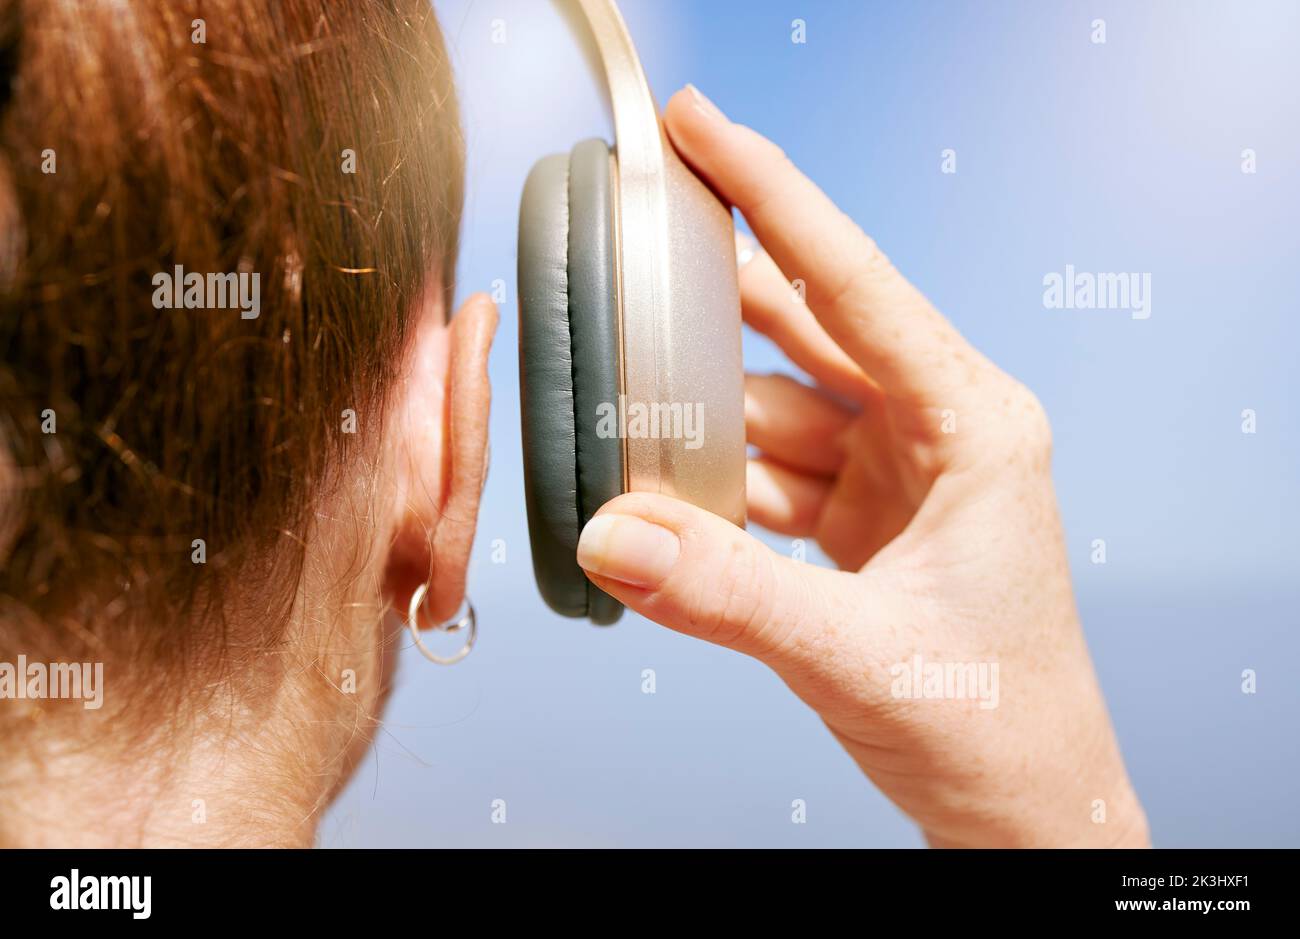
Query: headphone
x,y
629,332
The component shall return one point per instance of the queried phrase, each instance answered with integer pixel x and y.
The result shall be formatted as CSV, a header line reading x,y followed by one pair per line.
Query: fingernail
x,y
763,490
704,105
746,249
628,549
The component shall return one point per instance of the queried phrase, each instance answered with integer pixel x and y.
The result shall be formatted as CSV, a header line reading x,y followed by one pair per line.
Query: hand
x,y
924,473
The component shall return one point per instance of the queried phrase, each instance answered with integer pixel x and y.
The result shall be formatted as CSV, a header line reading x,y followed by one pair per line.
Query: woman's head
x,y
216,505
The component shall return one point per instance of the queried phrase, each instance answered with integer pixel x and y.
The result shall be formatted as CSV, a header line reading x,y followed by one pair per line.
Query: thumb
x,y
697,573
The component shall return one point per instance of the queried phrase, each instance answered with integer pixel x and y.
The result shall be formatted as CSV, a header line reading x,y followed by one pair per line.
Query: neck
x,y
239,770
223,791
244,752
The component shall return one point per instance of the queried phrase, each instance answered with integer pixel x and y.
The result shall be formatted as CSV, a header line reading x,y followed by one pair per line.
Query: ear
x,y
440,428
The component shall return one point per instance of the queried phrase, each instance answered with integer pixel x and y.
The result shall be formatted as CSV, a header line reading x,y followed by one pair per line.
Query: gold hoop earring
x,y
465,619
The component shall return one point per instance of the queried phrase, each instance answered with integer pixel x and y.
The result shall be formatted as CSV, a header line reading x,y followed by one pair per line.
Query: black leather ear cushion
x,y
593,330
568,364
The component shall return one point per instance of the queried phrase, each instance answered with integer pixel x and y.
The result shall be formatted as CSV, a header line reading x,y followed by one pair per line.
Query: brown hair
x,y
128,146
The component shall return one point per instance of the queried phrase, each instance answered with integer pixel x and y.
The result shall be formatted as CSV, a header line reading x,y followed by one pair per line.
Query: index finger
x,y
884,323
